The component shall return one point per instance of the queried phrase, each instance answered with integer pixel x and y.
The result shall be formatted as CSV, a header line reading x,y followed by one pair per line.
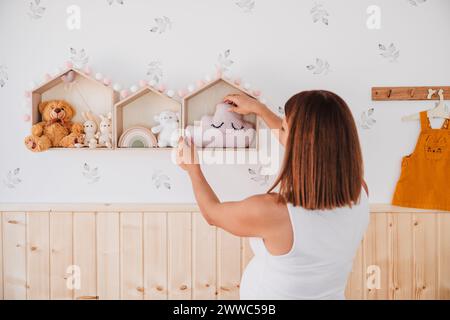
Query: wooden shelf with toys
x,y
207,121
76,111
147,119
72,110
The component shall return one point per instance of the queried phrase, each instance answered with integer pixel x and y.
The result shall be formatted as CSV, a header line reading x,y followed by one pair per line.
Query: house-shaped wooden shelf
x,y
139,110
84,93
203,101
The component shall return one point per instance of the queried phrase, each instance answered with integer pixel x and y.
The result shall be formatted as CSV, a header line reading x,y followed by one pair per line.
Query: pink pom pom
x,y
48,77
161,88
106,81
124,94
26,118
200,83
28,94
87,70
256,93
219,73
237,81
182,93
69,65
143,83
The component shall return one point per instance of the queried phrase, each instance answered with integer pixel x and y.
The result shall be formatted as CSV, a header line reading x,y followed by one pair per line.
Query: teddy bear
x,y
224,129
167,129
56,128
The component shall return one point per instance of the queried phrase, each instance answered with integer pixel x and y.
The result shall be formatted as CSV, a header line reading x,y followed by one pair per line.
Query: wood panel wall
x,y
177,255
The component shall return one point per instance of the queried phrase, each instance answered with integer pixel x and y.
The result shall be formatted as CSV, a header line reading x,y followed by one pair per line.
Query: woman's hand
x,y
187,157
244,104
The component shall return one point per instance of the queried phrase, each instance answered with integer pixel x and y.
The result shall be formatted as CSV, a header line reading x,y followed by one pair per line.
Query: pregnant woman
x,y
306,229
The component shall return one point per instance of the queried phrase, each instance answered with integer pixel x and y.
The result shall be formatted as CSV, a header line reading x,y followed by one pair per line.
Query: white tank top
x,y
320,260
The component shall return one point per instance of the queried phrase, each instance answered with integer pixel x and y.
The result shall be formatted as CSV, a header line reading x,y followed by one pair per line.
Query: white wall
x,y
270,46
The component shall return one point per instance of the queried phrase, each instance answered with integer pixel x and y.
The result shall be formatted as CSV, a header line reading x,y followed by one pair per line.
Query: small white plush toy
x,y
90,130
105,136
167,129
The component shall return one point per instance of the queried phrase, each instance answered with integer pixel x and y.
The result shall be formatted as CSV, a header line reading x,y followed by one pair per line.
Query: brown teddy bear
x,y
56,128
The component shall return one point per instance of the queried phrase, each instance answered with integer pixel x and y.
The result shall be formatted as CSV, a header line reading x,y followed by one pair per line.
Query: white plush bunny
x,y
90,130
167,128
105,136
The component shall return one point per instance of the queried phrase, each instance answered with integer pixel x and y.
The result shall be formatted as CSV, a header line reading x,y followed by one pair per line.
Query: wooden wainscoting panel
x,y
228,265
108,255
155,256
38,258
204,259
85,254
443,267
61,256
425,256
132,257
179,256
376,258
14,254
402,254
356,280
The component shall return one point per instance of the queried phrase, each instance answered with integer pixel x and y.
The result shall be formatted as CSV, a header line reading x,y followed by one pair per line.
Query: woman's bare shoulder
x,y
267,204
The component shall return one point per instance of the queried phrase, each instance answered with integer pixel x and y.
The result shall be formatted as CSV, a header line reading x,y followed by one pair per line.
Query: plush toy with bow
x,y
56,128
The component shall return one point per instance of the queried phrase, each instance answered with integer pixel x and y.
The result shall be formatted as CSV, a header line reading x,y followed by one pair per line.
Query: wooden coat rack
x,y
407,93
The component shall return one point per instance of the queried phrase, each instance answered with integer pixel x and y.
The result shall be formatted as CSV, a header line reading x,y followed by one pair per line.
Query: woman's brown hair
x,y
322,167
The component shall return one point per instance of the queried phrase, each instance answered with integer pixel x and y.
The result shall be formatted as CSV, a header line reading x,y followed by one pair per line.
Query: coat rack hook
x,y
411,93
389,93
431,92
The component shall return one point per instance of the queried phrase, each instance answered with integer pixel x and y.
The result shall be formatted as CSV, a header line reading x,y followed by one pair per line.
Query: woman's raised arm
x,y
244,104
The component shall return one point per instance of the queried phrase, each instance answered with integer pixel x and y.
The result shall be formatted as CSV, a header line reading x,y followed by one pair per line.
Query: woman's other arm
x,y
255,216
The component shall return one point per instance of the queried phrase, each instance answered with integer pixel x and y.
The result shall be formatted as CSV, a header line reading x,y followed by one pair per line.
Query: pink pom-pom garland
x,y
107,82
256,93
143,83
98,77
26,118
200,84
161,88
69,64
27,94
191,88
124,94
182,93
208,78
170,93
87,71
117,87
237,81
